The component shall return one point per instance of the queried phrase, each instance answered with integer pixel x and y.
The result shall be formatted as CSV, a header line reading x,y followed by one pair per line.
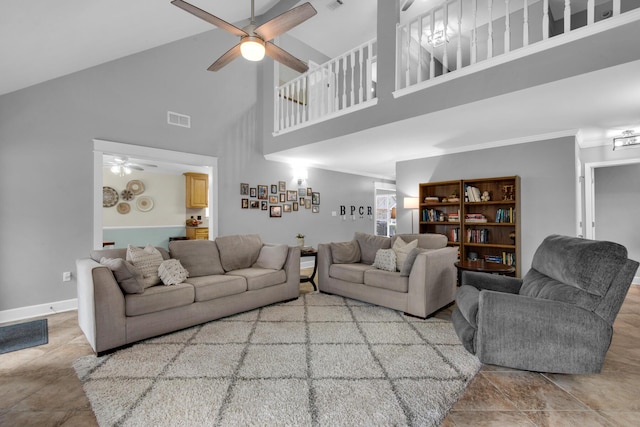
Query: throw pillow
x,y
171,272
369,245
402,249
272,257
238,251
345,252
126,274
199,257
385,260
409,260
146,260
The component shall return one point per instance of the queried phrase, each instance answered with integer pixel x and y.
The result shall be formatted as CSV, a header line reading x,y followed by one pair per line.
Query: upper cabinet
x,y
197,190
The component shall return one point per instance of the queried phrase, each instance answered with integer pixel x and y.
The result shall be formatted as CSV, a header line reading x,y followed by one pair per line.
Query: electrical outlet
x,y
66,276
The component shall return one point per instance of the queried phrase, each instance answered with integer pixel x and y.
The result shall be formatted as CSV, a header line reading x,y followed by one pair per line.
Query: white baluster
x,y
420,49
490,36
368,93
407,76
286,105
276,110
432,62
305,103
361,74
459,53
525,24
616,7
445,24
591,11
567,16
545,19
321,89
353,82
507,28
344,82
298,110
333,87
474,32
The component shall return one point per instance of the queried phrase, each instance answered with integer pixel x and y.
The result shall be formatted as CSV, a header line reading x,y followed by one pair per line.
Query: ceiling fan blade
x,y
228,56
135,167
220,23
285,21
407,5
284,57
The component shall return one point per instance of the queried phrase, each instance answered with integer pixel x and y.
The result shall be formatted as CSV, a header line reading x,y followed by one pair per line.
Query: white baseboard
x,y
38,310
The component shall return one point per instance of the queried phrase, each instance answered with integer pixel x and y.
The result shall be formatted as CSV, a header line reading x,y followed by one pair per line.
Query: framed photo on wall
x,y
274,189
282,186
253,192
307,203
315,198
262,192
263,205
315,209
292,195
282,198
286,207
309,192
255,204
244,189
273,198
276,211
302,192
295,206
245,203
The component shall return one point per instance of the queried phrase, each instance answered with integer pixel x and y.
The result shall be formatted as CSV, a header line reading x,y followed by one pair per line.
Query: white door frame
x,y
589,191
100,147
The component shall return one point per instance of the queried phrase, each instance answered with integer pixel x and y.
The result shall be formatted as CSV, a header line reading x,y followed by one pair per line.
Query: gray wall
x,y
548,184
617,191
46,158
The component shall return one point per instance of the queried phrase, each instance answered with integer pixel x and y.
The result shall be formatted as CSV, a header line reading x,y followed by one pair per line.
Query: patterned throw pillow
x,y
402,249
147,261
385,260
171,272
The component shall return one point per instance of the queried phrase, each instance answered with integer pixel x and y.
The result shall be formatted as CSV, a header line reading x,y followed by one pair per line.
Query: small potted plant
x,y
300,238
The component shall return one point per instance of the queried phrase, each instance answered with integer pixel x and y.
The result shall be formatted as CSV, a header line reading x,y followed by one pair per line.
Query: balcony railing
x,y
337,87
462,33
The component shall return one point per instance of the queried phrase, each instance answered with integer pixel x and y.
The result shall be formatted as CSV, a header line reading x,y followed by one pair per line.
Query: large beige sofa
x,y
229,275
425,286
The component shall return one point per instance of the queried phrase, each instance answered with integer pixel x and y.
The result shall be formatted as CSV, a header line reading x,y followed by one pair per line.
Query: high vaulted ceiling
x,y
45,39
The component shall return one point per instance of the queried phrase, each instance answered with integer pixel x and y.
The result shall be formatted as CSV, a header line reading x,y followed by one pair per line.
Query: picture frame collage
x,y
277,199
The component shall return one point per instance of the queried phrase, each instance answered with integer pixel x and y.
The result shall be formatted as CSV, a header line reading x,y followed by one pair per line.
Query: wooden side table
x,y
303,277
483,267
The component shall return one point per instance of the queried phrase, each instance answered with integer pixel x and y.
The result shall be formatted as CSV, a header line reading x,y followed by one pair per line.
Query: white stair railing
x,y
336,87
460,33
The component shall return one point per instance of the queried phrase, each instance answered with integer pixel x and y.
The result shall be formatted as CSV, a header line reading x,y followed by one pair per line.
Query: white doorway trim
x,y
100,147
589,191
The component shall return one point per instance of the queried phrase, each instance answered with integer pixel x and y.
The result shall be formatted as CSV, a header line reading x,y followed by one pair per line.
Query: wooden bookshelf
x,y
489,228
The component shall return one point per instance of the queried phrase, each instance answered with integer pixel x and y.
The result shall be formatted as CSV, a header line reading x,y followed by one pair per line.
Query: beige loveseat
x,y
227,276
421,284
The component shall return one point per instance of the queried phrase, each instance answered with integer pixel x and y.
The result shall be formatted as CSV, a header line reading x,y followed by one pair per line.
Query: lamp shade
x,y
252,48
411,203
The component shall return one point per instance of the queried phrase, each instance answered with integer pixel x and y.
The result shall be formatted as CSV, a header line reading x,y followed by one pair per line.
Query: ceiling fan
x,y
255,41
120,165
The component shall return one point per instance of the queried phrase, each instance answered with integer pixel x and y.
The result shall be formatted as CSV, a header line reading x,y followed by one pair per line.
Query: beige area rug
x,y
320,360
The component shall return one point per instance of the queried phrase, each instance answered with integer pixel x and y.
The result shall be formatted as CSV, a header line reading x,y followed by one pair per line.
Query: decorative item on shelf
x,y
512,236
123,208
453,198
485,196
192,222
109,197
507,192
127,195
431,199
300,238
144,203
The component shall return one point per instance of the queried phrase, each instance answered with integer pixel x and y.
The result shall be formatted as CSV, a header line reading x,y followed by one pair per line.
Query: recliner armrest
x,y
491,282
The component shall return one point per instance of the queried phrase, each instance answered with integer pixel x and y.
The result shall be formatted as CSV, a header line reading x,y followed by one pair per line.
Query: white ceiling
x,y
44,39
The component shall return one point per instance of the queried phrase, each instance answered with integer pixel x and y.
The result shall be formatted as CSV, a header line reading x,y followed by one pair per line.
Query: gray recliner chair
x,y
558,318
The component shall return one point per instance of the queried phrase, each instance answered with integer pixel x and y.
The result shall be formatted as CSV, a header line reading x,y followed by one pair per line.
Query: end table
x,y
310,278
484,267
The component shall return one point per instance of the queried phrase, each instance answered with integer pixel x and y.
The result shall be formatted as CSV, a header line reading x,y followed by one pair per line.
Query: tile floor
x,y
38,386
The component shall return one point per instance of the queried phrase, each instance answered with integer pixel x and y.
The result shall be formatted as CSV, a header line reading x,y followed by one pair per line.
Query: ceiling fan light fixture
x,y
252,48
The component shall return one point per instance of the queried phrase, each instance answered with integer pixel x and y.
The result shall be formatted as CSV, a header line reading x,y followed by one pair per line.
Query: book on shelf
x,y
480,235
472,193
475,217
454,235
505,215
431,199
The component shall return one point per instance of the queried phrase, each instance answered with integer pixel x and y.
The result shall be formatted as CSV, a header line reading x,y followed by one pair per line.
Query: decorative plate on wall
x,y
123,208
144,203
127,195
135,186
109,197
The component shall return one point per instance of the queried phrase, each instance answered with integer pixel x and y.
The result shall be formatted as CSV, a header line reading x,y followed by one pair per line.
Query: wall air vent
x,y
334,4
177,119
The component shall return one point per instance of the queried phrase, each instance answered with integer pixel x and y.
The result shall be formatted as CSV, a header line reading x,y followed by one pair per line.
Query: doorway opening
x,y
207,164
385,221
